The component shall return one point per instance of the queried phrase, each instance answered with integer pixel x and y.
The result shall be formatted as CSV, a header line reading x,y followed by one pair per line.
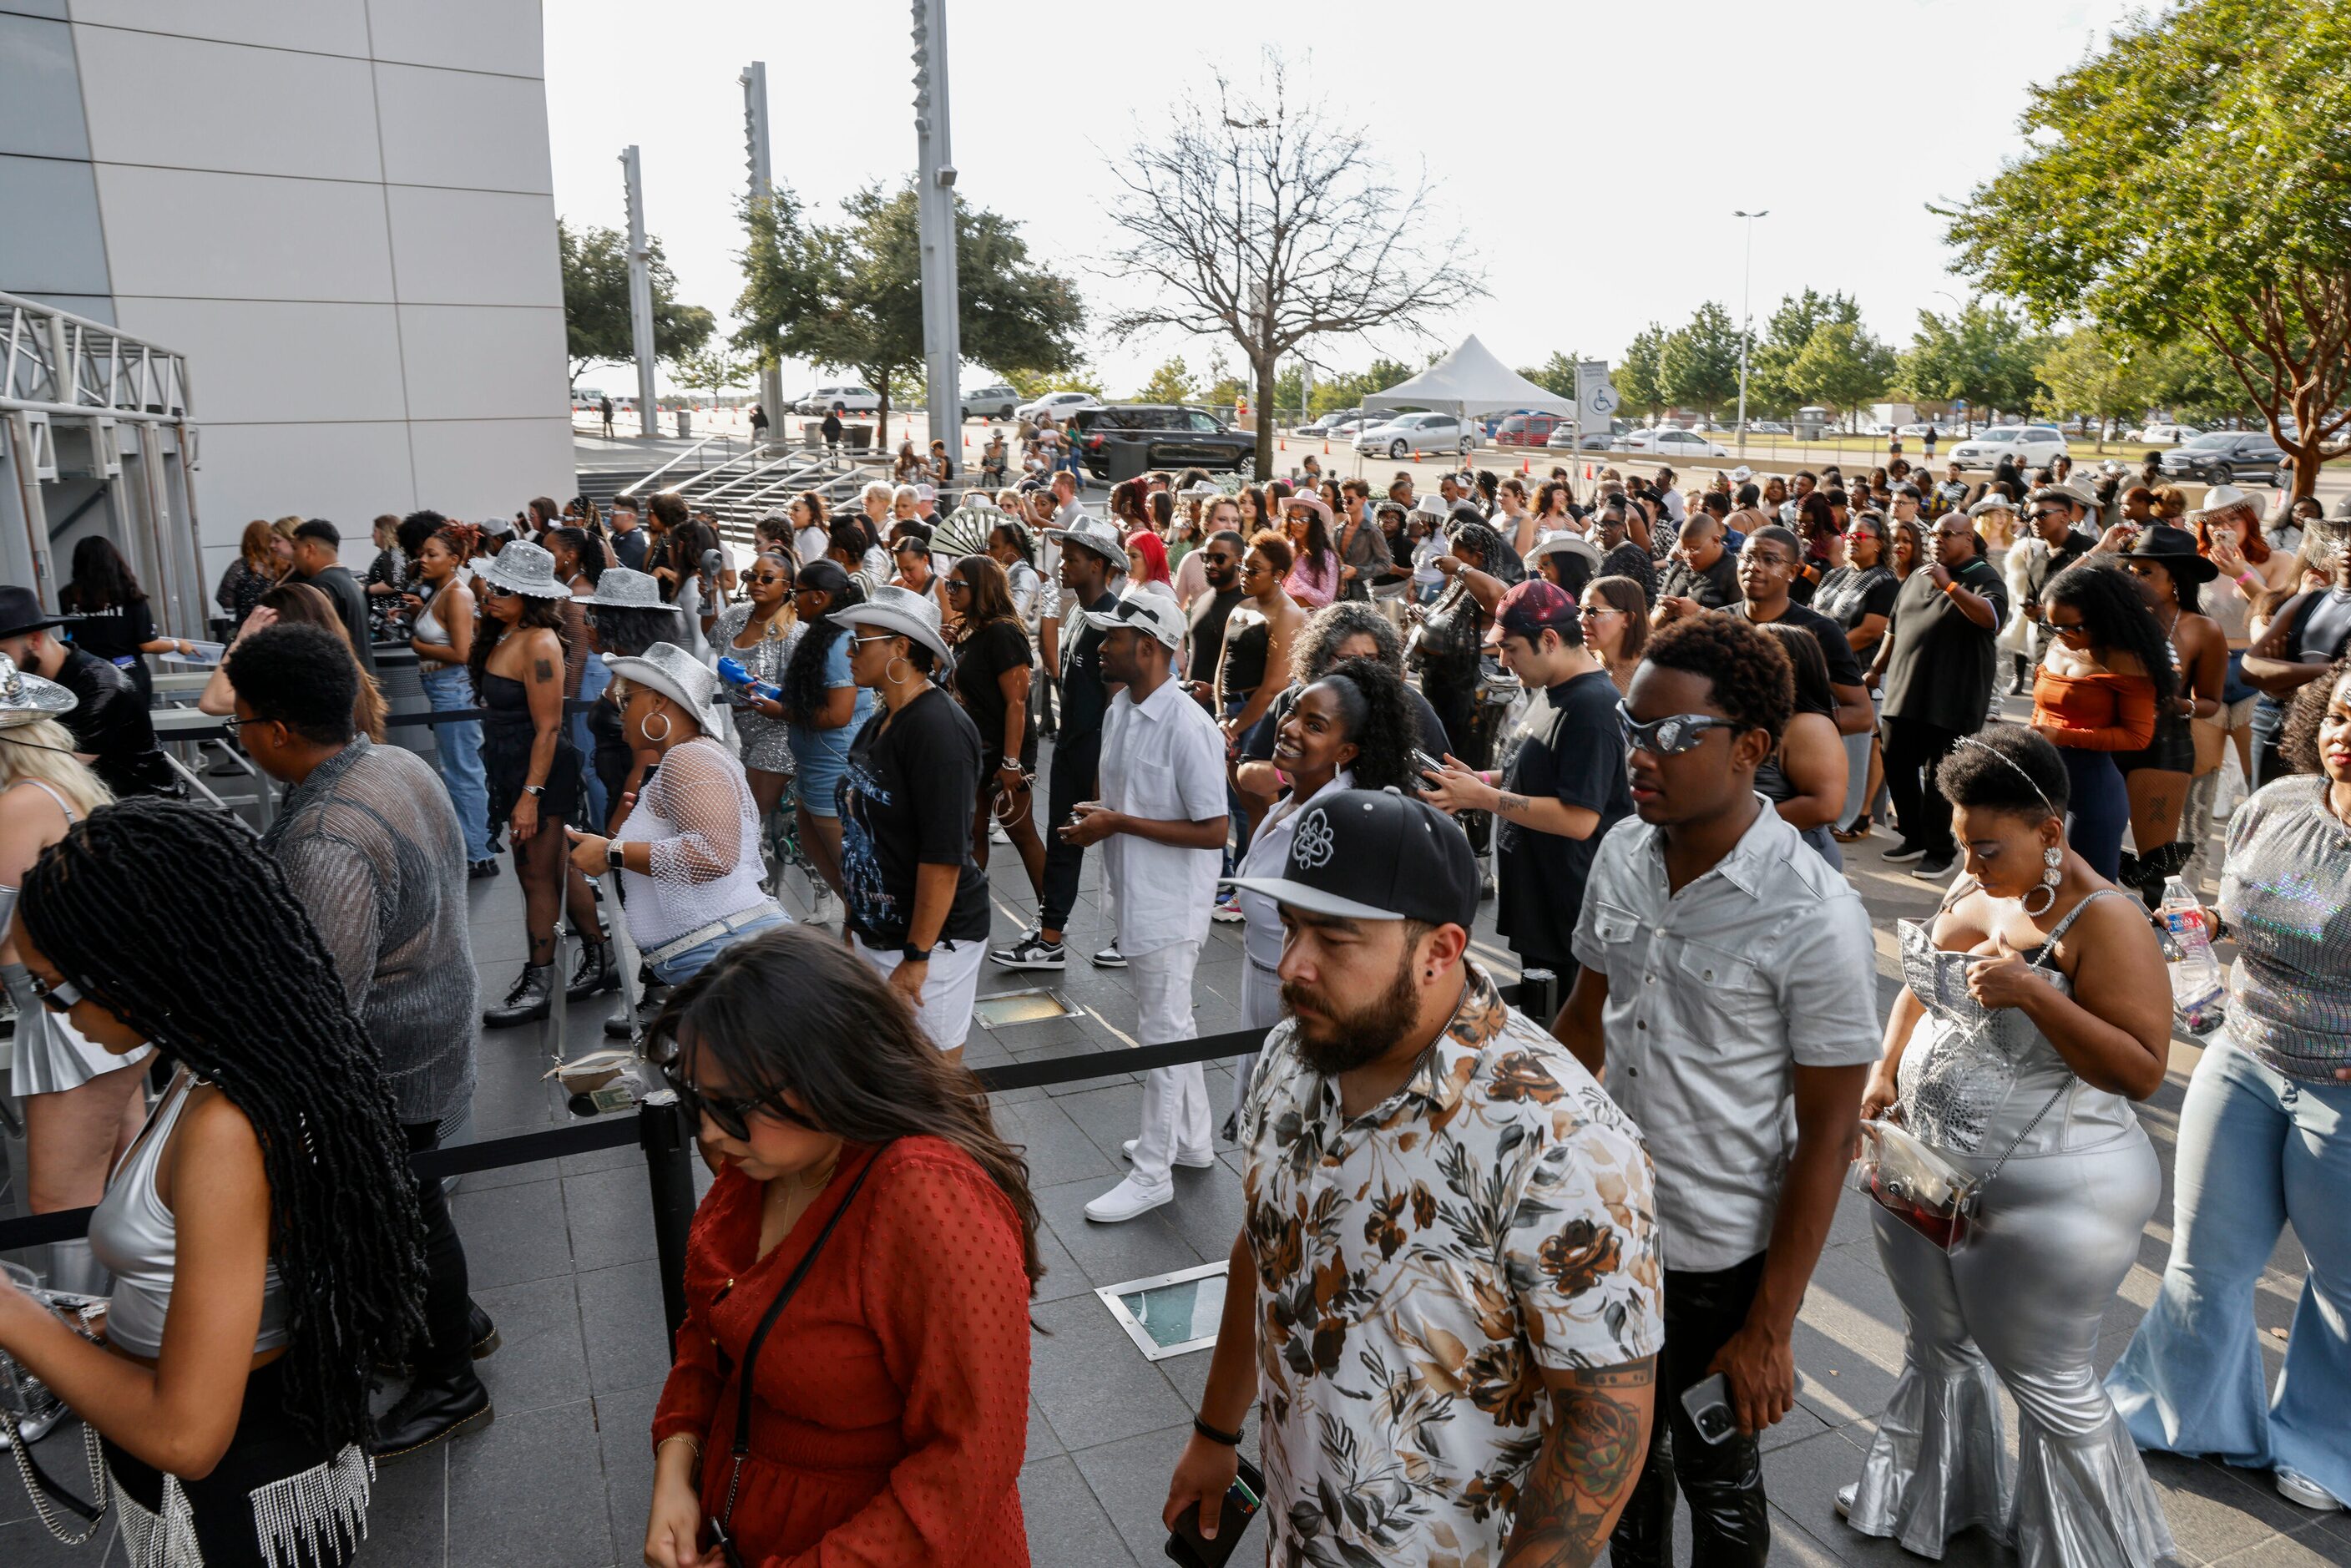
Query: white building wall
x,y
341,212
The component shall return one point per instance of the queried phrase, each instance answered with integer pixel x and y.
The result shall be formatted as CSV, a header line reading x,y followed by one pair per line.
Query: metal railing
x,y
647,484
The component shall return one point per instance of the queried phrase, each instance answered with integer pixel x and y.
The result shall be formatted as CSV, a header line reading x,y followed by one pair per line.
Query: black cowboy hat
x,y
21,611
2175,549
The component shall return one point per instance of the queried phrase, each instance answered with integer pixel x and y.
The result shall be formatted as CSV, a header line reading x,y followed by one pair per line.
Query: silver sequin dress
x,y
767,746
2020,1304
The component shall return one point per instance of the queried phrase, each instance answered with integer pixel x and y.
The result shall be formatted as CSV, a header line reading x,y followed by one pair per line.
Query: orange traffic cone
x,y
1326,449
1522,466
1285,444
1415,456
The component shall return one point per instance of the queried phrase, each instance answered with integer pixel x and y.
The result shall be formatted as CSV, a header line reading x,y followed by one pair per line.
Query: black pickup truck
x,y
1121,440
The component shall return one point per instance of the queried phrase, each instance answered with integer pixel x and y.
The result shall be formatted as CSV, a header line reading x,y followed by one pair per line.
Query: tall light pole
x,y
936,212
641,293
754,80
1746,320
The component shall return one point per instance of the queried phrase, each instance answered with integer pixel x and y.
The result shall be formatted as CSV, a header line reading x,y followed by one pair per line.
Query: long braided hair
x,y
172,919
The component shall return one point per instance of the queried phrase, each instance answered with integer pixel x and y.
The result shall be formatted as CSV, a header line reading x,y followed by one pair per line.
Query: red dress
x,y
892,1406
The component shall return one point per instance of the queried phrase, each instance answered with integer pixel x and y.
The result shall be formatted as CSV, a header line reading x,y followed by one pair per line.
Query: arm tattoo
x,y
1506,802
543,670
1598,1438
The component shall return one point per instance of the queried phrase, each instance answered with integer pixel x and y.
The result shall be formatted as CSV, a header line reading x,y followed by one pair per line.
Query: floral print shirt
x,y
1419,1267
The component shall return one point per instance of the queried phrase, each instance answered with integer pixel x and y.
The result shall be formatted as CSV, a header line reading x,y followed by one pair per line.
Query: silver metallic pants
x,y
2021,1303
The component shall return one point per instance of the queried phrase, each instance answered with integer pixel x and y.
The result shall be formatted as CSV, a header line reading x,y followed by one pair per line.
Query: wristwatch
x,y
911,954
534,788
612,854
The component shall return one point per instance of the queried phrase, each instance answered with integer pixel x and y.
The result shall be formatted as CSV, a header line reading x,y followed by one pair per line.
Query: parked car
x,y
1348,428
1668,441
1169,435
990,402
2032,446
1766,427
849,397
1564,439
1060,404
2226,457
1528,428
2162,435
1331,422
1408,433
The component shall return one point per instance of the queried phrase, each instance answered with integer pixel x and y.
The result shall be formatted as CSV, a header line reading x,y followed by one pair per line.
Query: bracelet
x,y
2246,579
686,1437
1215,1435
1952,587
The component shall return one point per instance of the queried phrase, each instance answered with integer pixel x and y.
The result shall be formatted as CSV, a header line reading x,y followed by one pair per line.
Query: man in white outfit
x,y
1161,823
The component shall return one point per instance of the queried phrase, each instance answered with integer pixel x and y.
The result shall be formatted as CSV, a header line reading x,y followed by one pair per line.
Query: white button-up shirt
x,y
1163,759
1715,995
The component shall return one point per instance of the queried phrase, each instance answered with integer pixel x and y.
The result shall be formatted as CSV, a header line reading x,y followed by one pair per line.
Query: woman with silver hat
x,y
533,769
688,853
82,1105
917,901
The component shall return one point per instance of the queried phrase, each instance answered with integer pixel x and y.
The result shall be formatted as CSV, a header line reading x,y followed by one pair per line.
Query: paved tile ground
x,y
562,1257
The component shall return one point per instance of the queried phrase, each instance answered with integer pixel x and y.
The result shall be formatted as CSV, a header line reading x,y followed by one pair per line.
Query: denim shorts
x,y
694,960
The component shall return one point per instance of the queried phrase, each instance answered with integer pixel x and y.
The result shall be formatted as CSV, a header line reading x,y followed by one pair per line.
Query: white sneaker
x,y
1125,1201
1846,1496
1227,910
2291,1485
996,833
1110,957
1200,1162
819,902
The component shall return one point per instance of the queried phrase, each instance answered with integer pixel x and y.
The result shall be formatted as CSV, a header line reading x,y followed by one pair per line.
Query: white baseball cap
x,y
1148,610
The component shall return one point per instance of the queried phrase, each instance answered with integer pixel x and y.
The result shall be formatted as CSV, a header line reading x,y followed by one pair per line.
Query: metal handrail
x,y
631,490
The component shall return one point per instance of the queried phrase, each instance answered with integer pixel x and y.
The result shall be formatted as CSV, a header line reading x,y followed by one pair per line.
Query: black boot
x,y
481,1334
595,973
528,1002
447,1404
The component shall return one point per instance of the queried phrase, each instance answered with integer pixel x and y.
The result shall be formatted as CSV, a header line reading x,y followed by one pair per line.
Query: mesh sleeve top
x,y
697,813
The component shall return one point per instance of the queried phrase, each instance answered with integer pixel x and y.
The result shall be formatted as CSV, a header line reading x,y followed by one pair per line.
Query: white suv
x,y
1414,433
2032,446
1060,404
849,397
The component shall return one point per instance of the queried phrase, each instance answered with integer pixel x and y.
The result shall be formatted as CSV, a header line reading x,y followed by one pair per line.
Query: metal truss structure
x,y
95,421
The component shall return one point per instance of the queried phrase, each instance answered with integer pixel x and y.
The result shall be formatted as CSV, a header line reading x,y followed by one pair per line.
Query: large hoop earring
x,y
895,660
2051,859
651,737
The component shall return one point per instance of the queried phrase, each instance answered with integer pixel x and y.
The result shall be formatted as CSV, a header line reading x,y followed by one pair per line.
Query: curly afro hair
x,y
2298,741
2004,767
1752,683
1379,721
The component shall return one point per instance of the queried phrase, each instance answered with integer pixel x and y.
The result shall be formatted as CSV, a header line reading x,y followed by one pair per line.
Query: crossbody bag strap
x,y
748,1375
2048,951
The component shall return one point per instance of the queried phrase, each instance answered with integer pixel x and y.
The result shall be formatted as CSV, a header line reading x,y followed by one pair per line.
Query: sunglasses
x,y
494,591
1594,611
59,996
1668,736
957,585
877,637
767,577
731,1116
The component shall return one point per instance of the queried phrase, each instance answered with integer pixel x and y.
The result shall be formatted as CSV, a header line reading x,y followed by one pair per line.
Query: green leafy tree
x,y
713,368
2190,181
1171,382
1640,379
1842,367
1555,375
1982,353
1699,363
2091,371
1770,384
852,295
596,326
2193,383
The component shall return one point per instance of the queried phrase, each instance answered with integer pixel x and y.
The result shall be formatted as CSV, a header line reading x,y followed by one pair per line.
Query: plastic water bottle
x,y
732,671
2199,993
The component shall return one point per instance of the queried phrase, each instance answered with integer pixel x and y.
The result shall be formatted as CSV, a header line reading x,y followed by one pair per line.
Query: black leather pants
x,y
1723,1481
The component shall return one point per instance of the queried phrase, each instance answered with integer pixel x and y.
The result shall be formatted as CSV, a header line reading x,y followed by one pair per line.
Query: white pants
x,y
1174,1098
1260,1009
945,1010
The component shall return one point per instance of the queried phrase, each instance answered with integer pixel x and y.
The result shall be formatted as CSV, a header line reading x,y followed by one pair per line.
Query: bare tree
x,y
1257,219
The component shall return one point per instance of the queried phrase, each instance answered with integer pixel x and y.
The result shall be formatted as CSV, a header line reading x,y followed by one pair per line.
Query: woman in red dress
x,y
889,1400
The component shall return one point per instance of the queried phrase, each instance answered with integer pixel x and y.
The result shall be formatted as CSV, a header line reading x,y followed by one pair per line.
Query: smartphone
x,y
1242,1500
1708,1405
1422,762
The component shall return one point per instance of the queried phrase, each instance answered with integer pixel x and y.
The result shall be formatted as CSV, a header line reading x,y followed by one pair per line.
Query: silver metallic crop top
x,y
137,1239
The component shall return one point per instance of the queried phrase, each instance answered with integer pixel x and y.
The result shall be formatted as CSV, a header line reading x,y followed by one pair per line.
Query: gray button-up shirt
x,y
1715,995
371,845
1366,550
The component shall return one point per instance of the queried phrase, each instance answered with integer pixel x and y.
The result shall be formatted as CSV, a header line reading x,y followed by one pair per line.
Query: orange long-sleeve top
x,y
891,1409
2101,712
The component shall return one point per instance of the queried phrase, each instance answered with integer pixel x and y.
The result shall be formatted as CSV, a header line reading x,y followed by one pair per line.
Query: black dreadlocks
x,y
172,919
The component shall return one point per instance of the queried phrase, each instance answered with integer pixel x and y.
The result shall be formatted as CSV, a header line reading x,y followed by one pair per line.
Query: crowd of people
x,y
1505,1286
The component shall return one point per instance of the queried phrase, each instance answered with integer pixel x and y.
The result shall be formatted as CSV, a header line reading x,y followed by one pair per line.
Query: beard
x,y
1339,1039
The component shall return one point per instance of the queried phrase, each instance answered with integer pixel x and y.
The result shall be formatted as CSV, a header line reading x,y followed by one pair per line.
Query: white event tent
x,y
1467,382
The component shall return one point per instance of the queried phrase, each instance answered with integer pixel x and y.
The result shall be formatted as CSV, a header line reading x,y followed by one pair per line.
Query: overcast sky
x,y
1592,155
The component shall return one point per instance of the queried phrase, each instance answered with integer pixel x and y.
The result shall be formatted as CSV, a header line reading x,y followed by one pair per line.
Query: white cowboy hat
x,y
1096,535
675,674
903,612
524,568
620,587
27,700
1566,544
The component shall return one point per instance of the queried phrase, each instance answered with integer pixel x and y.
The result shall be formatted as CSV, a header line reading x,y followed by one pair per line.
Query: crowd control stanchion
x,y
1539,996
668,1145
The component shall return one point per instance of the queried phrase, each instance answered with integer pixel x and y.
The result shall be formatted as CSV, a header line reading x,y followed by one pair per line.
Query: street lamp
x,y
1746,320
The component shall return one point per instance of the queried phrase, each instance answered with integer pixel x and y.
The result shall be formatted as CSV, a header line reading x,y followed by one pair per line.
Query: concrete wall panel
x,y
479,362
245,237
501,36
189,104
455,128
344,473
474,248
328,26
260,361
482,468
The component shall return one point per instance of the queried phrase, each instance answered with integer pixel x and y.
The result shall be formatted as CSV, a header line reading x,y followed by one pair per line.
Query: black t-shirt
x,y
110,721
985,654
1428,730
1209,612
1844,669
1084,698
1570,749
1716,588
1938,664
115,632
342,591
1851,594
906,800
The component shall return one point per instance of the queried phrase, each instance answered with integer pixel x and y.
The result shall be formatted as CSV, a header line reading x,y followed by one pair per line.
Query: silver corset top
x,y
1974,1079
